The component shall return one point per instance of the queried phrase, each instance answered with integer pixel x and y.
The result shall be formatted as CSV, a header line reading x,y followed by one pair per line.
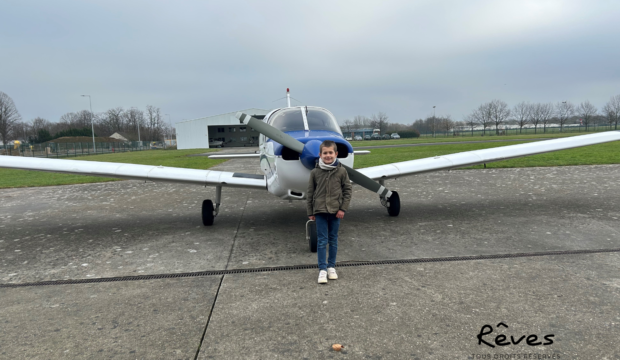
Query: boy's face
x,y
328,154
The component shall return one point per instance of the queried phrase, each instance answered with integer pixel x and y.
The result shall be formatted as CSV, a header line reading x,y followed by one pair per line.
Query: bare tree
x,y
360,122
614,106
154,122
521,113
21,130
380,121
499,112
347,126
564,110
8,117
39,123
540,114
115,119
586,111
445,124
483,117
610,114
546,115
471,122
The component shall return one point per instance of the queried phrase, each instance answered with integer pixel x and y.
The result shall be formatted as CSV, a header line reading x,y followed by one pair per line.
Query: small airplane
x,y
288,150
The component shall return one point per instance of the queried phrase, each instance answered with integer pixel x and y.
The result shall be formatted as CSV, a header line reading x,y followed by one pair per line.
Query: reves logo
x,y
500,340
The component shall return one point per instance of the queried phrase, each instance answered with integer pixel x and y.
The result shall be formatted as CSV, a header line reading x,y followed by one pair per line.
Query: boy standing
x,y
328,198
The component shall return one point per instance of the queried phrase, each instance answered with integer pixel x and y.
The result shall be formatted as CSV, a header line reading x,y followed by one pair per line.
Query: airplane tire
x,y
207,213
394,208
313,238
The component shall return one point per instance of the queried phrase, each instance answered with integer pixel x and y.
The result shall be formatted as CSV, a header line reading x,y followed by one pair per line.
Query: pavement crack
x,y
232,247
202,339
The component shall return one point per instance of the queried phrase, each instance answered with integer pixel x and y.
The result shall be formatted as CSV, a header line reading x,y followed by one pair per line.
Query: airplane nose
x,y
310,154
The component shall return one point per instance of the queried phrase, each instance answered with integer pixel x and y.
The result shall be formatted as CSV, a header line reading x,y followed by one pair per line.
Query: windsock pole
x,y
288,98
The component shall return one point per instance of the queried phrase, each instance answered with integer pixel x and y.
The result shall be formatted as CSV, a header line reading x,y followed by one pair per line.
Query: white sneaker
x,y
322,277
331,274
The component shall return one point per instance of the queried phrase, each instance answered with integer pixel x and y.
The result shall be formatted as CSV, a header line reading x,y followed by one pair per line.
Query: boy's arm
x,y
310,195
347,190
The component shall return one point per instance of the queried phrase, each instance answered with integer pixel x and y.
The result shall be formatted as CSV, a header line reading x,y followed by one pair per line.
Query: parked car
x,y
375,136
386,137
367,137
395,136
348,138
358,138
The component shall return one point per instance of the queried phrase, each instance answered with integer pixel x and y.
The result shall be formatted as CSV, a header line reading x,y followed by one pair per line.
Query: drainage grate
x,y
305,267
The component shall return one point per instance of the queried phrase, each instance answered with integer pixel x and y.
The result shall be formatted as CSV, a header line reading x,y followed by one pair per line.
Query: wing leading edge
x,y
136,172
476,157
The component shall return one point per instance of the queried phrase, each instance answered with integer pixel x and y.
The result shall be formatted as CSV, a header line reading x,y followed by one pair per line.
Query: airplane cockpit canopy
x,y
322,120
292,119
288,120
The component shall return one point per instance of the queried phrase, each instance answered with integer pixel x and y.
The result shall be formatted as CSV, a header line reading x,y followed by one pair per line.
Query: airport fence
x,y
512,130
64,150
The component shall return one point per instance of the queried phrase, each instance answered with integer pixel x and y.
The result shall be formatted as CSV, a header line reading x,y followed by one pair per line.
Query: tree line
x,y
491,116
149,123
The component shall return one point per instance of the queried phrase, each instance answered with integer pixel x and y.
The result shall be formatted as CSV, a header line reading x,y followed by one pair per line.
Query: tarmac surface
x,y
416,310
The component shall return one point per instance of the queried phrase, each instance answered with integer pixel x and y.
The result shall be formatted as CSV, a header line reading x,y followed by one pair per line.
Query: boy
x,y
328,198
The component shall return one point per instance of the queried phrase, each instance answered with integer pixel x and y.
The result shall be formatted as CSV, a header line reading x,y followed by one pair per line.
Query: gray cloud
x,y
196,58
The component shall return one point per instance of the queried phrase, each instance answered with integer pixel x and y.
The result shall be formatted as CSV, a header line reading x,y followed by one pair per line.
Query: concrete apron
x,y
72,232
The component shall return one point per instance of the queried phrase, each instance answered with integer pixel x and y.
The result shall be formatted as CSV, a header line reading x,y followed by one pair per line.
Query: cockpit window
x,y
322,120
288,120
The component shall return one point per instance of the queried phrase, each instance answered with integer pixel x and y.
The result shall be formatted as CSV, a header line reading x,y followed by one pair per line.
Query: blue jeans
x,y
327,232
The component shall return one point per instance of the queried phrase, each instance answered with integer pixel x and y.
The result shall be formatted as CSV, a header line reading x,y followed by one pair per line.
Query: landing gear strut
x,y
392,203
208,211
311,235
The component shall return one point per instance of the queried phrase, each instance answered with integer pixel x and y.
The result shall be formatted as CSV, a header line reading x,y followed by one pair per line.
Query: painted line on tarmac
x,y
306,267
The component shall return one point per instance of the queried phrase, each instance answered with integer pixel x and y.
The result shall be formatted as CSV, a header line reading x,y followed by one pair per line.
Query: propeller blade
x,y
271,132
368,183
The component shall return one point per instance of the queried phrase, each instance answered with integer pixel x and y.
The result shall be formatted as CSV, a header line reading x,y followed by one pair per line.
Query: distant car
x,y
375,136
213,144
358,138
367,137
386,137
348,138
395,136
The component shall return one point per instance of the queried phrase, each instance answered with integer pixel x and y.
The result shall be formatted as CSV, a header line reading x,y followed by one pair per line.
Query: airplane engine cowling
x,y
310,154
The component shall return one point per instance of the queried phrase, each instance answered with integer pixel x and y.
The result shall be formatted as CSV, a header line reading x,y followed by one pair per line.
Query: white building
x,y
197,133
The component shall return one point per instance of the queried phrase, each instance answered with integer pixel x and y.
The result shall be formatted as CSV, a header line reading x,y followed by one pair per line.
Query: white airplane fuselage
x,y
287,173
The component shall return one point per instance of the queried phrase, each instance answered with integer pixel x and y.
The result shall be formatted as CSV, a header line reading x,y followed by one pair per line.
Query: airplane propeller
x,y
309,154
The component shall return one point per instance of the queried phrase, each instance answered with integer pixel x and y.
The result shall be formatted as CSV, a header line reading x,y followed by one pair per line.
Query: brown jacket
x,y
328,190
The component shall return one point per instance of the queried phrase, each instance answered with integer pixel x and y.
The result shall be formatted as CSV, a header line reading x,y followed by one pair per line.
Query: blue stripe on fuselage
x,y
305,136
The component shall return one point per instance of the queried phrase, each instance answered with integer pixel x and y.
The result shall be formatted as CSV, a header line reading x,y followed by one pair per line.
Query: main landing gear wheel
x,y
207,213
393,207
311,235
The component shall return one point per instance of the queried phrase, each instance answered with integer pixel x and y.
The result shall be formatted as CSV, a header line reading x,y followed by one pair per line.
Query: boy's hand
x,y
340,214
312,218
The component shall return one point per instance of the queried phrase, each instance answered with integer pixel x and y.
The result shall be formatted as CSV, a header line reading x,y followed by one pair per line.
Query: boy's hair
x,y
328,143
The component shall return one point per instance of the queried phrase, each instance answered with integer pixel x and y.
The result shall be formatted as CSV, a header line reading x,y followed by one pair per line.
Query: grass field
x,y
608,153
423,140
10,178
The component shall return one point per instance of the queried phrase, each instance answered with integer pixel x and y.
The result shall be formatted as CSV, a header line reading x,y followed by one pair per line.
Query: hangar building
x,y
198,133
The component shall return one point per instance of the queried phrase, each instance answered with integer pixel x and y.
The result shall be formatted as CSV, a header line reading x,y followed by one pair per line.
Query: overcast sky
x,y
201,58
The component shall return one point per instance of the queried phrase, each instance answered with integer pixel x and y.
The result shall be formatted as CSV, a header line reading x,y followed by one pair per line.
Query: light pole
x,y
137,123
170,120
92,121
433,121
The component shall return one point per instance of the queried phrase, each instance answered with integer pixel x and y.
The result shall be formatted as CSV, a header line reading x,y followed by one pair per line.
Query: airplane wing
x,y
234,156
476,157
136,172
